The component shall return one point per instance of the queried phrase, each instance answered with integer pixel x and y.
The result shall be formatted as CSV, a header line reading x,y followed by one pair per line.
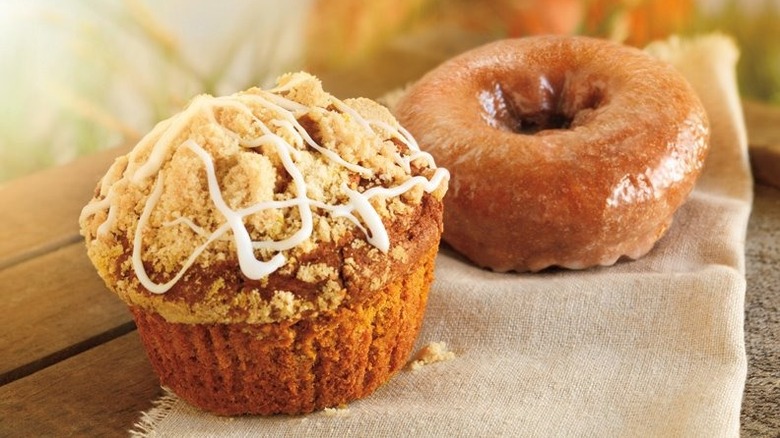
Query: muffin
x,y
275,247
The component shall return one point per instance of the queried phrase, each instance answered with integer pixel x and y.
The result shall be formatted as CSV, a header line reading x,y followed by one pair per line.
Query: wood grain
x,y
51,307
40,212
763,127
101,392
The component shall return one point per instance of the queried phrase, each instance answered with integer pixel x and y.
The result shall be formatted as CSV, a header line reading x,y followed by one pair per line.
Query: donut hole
x,y
549,111
530,124
583,101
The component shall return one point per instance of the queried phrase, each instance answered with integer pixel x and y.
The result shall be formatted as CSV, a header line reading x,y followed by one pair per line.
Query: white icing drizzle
x,y
358,210
162,145
360,202
406,138
188,222
344,108
291,83
250,266
138,265
94,207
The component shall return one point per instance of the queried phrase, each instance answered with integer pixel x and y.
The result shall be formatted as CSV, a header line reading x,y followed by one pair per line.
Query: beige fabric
x,y
647,348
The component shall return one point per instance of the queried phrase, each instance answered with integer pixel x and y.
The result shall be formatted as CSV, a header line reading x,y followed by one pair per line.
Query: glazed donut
x,y
563,151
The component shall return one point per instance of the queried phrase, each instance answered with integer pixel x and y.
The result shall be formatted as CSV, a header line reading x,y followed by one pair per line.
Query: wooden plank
x,y
40,211
763,127
100,392
51,307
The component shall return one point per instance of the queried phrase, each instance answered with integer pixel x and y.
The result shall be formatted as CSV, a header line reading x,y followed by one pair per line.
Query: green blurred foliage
x,y
757,31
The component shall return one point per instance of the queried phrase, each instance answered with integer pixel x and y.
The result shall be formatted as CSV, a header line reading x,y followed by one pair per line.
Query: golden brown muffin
x,y
275,247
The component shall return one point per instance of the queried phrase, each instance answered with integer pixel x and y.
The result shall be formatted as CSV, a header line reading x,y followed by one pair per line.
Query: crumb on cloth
x,y
340,411
431,353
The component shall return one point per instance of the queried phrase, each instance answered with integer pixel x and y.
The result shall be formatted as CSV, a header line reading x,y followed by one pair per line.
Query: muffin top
x,y
264,206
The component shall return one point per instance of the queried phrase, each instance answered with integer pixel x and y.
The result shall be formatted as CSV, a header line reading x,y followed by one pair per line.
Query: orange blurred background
x,y
344,32
83,75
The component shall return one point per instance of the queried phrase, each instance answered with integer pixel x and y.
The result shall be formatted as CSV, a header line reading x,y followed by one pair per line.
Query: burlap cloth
x,y
647,348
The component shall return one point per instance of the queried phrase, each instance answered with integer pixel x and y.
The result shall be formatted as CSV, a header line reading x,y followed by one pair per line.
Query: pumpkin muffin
x,y
275,247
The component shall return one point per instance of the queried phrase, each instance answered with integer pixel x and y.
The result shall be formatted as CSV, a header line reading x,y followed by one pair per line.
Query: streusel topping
x,y
262,177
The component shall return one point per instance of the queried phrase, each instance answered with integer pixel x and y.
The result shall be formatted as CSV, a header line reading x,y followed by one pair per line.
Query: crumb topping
x,y
263,179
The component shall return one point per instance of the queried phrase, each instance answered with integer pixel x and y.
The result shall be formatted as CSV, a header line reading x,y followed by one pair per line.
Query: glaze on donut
x,y
563,151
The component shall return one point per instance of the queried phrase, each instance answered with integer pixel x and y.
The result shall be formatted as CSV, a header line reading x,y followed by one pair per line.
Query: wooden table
x,y
71,363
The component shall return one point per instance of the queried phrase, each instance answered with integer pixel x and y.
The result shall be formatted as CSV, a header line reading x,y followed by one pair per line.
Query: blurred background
x,y
77,76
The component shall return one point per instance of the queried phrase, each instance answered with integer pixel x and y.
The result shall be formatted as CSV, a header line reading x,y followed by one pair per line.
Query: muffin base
x,y
291,368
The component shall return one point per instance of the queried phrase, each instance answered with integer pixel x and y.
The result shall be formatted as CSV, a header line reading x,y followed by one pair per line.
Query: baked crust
x,y
292,367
